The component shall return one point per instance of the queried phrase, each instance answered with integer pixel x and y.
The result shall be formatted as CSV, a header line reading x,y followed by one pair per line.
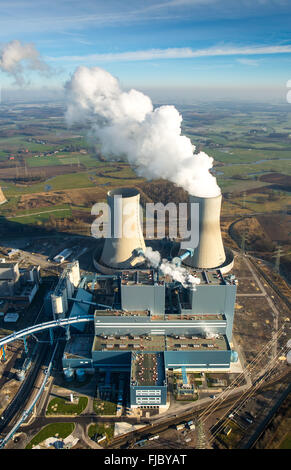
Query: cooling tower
x,y
2,197
119,251
210,252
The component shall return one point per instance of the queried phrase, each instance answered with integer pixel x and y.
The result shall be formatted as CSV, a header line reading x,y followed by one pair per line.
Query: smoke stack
x,y
210,252
121,252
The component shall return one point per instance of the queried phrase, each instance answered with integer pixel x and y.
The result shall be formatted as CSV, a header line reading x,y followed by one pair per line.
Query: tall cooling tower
x,y
119,251
210,252
2,197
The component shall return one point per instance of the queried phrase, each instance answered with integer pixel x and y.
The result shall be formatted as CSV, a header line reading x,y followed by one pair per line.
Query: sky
x,y
168,48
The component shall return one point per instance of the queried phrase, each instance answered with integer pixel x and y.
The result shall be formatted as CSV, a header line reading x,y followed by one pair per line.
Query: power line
x,y
251,368
248,394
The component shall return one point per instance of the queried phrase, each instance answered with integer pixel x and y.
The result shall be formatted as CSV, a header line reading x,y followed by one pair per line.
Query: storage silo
x,y
80,375
233,356
57,304
69,286
75,273
69,374
119,251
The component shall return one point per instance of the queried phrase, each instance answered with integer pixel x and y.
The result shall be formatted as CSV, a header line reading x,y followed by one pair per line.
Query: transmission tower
x,y
201,436
243,243
244,200
243,240
278,255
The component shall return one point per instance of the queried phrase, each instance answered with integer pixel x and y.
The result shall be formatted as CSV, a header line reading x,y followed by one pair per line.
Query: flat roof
x,y
122,313
8,265
128,342
195,343
160,316
147,369
208,277
79,346
147,276
138,277
195,316
152,342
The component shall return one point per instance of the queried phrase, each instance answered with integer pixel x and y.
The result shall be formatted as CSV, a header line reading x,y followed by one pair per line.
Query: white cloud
x,y
175,53
18,58
250,62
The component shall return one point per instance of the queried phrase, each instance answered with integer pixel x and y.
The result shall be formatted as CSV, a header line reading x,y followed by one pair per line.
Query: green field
x,y
102,407
12,144
246,141
68,181
41,217
286,443
101,429
59,430
68,158
62,406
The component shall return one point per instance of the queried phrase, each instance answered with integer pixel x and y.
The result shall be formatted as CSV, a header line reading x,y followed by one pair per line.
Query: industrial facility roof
x,y
122,313
78,307
79,346
195,316
143,277
209,277
147,369
195,343
146,277
8,271
129,343
160,317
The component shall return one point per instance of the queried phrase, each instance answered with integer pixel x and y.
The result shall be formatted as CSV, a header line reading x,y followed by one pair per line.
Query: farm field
x,y
51,176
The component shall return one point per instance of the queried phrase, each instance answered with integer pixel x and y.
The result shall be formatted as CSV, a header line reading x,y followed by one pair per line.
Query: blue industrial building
x,y
148,385
153,325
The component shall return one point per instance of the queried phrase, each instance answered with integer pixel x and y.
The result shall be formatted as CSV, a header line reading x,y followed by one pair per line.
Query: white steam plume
x,y
168,268
127,126
17,57
153,257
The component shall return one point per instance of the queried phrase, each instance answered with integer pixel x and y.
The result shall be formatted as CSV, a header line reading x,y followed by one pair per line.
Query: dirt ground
x,y
276,226
76,197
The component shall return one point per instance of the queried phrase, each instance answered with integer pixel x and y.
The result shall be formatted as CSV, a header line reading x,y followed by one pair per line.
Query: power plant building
x,y
191,329
18,284
146,323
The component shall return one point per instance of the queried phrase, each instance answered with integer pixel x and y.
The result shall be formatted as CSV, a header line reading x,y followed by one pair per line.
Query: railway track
x,y
13,409
270,282
130,438
257,435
